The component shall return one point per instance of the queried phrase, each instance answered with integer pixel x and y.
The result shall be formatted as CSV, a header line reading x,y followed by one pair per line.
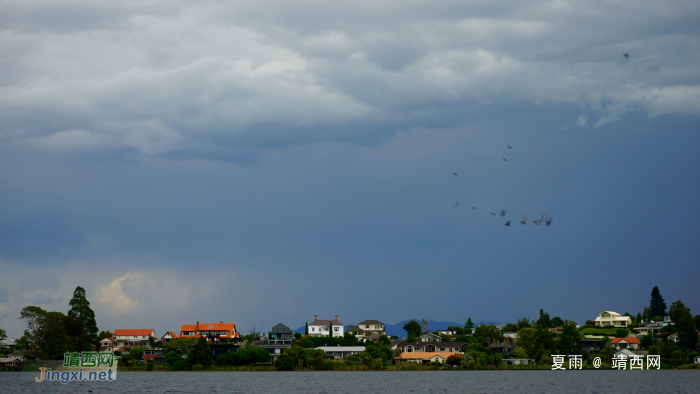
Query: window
x,y
335,329
313,329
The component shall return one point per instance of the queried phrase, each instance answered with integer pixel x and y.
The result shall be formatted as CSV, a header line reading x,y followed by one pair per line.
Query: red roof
x,y
627,339
133,332
230,329
172,334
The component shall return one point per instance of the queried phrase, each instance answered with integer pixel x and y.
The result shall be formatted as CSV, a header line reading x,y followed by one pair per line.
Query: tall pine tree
x,y
657,306
80,311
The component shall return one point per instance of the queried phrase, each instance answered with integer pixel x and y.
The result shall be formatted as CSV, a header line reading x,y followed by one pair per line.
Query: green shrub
x,y
180,365
327,366
149,366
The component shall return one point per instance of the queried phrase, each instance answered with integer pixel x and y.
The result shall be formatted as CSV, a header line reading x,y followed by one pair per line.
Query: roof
x,y
324,323
504,345
281,328
424,355
230,328
371,322
626,352
134,332
342,348
106,339
610,312
626,339
172,334
10,360
374,335
436,344
353,329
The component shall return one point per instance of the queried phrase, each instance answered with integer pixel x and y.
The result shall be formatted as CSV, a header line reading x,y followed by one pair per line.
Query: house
x,y
673,337
23,355
128,338
648,329
627,342
8,344
433,347
365,329
590,344
156,354
430,337
518,361
503,348
280,335
213,332
696,360
11,363
511,336
106,345
424,357
612,319
168,336
628,353
320,328
341,351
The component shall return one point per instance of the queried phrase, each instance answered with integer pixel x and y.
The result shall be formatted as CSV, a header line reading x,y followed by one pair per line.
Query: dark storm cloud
x,y
164,154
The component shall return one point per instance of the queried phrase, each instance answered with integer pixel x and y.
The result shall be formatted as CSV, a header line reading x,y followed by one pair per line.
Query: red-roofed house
x,y
626,342
214,332
169,336
133,338
106,345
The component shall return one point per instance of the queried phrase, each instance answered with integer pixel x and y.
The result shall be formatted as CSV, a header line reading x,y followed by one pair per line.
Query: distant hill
x,y
397,329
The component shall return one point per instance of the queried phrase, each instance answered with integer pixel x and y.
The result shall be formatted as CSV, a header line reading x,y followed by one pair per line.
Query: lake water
x,y
604,382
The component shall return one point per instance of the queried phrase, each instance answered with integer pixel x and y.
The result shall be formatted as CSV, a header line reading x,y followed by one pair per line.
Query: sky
x,y
265,162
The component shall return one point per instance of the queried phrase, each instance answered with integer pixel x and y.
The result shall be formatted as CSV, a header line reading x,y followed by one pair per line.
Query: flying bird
x,y
456,205
503,212
523,222
472,207
548,222
455,173
507,223
526,217
537,222
504,159
510,147
545,216
492,213
626,55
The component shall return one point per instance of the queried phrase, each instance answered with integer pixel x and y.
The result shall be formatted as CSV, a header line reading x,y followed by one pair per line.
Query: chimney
x,y
336,317
222,322
315,317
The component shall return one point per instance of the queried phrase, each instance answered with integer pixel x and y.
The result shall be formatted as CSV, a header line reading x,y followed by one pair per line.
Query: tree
x,y
487,333
349,339
454,359
524,323
697,322
526,340
657,306
510,327
468,325
306,329
330,329
201,353
424,326
685,325
3,334
81,312
412,327
570,338
105,334
544,321
34,316
182,345
519,352
383,341
639,319
557,321
621,332
297,336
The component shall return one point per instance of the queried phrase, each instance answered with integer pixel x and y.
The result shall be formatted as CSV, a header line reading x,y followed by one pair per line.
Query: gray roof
x,y
342,348
436,344
325,323
281,328
353,329
502,345
371,322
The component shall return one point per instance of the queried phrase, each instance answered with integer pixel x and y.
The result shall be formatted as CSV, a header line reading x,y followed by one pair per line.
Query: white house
x,y
341,351
627,342
321,328
132,337
612,319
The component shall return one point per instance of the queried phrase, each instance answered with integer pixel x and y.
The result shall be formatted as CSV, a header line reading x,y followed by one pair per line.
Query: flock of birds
x,y
537,221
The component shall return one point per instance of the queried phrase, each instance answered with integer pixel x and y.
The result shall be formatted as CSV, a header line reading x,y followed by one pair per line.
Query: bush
x,y
180,365
117,353
327,366
149,366
285,362
621,332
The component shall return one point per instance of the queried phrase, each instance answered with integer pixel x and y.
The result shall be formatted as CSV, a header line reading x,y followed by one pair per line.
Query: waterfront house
x,y
343,352
320,328
155,354
433,347
647,328
503,348
590,344
518,361
612,319
626,342
168,336
11,363
213,332
696,360
280,335
424,357
8,344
